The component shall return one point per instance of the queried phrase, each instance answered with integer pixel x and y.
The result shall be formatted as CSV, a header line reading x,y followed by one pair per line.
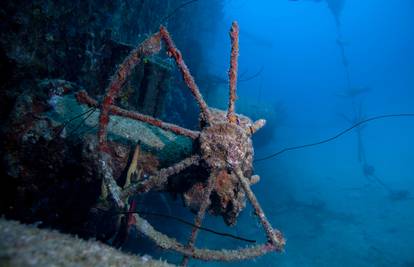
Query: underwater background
x,y
311,68
331,212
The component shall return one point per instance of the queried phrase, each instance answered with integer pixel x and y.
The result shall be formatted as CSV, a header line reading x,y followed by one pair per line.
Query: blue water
x,y
319,197
330,211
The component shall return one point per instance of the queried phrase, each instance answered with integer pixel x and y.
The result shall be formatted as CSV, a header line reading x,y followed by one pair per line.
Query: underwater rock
x,y
25,245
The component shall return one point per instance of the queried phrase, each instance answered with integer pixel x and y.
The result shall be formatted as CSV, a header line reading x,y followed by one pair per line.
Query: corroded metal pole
x,y
234,36
274,236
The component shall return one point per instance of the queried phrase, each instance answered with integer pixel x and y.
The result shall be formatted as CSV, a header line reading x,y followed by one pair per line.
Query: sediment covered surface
x,y
26,245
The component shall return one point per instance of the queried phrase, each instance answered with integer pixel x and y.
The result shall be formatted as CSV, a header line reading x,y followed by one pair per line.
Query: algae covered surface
x,y
26,245
167,146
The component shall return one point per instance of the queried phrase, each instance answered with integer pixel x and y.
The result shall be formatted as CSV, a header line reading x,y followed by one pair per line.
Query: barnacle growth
x,y
225,152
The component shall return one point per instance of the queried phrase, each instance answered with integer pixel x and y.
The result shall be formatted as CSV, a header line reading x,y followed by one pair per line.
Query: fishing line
x,y
193,225
252,76
379,117
184,222
91,110
175,10
81,122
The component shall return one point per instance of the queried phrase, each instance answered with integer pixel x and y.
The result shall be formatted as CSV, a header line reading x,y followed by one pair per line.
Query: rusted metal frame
x,y
83,97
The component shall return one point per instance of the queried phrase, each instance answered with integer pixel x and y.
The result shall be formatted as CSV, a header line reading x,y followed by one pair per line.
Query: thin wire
x,y
72,119
185,222
172,13
335,136
193,225
252,76
81,122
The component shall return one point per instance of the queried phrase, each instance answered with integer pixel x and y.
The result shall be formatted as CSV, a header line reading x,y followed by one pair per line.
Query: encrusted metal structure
x,y
225,151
